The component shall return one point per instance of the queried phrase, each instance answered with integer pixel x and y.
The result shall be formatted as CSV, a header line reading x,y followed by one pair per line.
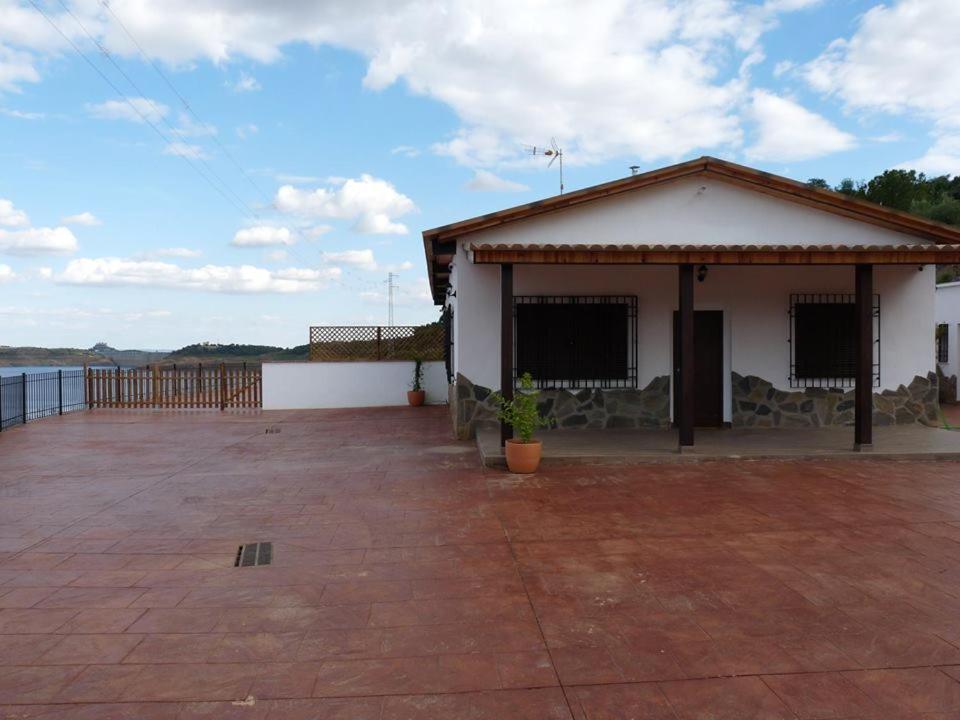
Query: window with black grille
x,y
576,341
943,343
823,340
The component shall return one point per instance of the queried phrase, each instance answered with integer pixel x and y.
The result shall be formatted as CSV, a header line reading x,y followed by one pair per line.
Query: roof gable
x,y
709,167
440,242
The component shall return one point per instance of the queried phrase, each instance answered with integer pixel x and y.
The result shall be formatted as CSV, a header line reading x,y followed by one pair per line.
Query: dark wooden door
x,y
708,367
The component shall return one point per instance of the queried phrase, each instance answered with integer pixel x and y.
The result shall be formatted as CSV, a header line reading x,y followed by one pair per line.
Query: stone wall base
x,y
471,407
948,387
757,403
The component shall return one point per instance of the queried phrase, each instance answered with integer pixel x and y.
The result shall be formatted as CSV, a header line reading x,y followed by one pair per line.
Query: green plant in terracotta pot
x,y
522,414
417,395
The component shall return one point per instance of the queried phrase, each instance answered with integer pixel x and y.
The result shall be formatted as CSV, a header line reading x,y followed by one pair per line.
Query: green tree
x,y
850,187
895,188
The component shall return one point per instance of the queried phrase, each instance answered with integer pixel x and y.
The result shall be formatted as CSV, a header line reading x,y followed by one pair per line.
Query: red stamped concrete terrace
x,y
409,582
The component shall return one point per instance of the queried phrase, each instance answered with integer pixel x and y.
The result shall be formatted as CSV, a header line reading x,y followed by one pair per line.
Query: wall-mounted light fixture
x,y
701,273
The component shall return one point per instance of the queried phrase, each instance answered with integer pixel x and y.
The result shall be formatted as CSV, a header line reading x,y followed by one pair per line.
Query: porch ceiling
x,y
913,254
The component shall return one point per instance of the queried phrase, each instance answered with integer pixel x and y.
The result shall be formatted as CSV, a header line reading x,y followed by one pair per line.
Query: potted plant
x,y
522,451
417,394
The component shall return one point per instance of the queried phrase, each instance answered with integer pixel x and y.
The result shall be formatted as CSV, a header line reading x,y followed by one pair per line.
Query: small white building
x,y
947,315
701,294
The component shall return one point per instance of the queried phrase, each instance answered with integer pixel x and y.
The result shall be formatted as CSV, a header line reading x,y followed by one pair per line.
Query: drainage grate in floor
x,y
254,554
272,430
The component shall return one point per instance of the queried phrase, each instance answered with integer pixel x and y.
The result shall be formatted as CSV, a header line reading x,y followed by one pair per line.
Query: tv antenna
x,y
554,152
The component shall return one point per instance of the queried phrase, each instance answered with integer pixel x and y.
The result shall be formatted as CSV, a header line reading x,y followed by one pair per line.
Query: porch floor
x,y
623,445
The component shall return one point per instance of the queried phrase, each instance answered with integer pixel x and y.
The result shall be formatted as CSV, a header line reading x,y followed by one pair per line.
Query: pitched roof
x,y
437,240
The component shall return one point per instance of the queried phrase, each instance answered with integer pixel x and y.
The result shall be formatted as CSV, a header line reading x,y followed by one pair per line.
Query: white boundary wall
x,y
314,385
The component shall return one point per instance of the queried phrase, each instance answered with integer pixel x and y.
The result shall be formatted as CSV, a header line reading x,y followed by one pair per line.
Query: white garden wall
x,y
310,385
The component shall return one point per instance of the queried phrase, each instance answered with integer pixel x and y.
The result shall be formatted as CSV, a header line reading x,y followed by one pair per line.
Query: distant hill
x,y
104,354
234,353
50,356
128,358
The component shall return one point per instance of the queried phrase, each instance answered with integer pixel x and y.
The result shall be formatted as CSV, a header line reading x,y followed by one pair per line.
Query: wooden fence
x,y
212,387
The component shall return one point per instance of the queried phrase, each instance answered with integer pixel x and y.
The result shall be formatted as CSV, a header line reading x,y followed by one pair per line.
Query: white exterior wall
x,y
948,311
691,211
311,385
755,302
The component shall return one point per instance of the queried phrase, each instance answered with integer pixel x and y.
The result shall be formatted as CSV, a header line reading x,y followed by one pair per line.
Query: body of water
x,y
30,369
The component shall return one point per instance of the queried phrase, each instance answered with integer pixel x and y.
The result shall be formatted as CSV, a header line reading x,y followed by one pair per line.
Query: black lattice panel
x,y
372,342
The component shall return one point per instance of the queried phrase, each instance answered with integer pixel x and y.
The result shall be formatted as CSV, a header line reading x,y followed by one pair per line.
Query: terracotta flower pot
x,y
523,457
416,397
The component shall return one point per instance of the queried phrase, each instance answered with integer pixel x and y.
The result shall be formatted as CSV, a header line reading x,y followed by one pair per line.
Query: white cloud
x,y
405,150
85,218
247,83
262,236
783,67
188,127
372,203
245,131
112,271
10,216
186,150
941,158
486,181
316,231
648,79
173,252
16,68
22,115
364,260
904,58
6,274
37,241
138,110
276,256
787,131
26,240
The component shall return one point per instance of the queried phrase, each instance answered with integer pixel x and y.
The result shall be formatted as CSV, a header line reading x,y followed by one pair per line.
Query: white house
x,y
701,294
947,315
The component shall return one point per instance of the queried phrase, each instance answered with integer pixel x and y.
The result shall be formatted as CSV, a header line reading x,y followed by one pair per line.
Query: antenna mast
x,y
554,152
391,286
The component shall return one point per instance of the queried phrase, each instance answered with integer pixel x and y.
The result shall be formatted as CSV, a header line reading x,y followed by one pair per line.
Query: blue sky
x,y
330,134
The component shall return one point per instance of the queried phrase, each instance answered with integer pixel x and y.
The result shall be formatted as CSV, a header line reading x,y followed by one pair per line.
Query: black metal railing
x,y
30,396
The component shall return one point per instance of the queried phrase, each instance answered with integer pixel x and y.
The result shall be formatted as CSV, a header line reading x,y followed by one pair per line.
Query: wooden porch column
x,y
863,396
506,343
684,389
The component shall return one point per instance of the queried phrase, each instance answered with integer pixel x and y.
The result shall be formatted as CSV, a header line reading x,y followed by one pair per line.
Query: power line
x,y
133,106
183,100
236,201
106,53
